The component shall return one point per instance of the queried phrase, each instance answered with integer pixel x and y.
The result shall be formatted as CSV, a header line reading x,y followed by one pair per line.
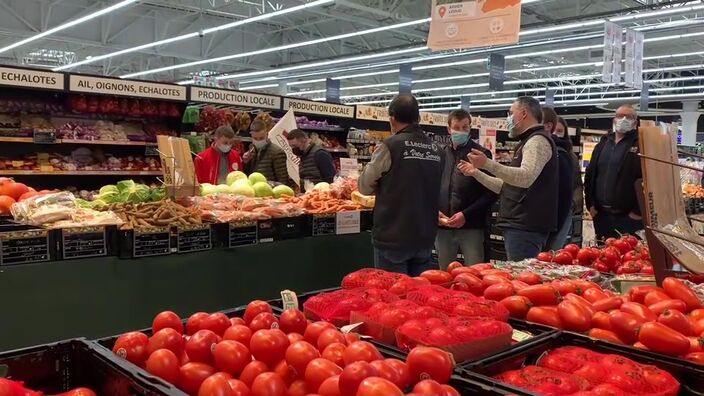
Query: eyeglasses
x,y
628,116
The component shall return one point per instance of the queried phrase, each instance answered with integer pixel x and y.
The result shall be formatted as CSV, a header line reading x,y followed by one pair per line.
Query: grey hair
x,y
532,106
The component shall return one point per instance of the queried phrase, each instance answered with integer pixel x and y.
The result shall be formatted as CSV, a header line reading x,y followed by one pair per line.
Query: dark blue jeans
x,y
521,245
608,225
409,262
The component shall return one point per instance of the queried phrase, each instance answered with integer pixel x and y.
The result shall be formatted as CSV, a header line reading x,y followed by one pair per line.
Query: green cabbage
x,y
99,204
125,185
135,194
108,196
109,188
157,194
82,203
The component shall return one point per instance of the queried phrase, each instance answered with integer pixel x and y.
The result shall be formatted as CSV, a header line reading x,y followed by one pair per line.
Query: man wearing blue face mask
x,y
609,184
464,202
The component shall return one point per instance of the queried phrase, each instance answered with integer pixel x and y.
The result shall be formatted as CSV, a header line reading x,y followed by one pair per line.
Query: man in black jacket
x,y
609,184
316,164
404,174
464,202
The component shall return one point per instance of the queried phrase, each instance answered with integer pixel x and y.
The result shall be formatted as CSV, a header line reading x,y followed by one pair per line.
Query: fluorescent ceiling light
x,y
69,24
279,48
195,34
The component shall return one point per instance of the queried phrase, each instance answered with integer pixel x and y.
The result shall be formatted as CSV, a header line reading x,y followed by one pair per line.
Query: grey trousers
x,y
449,242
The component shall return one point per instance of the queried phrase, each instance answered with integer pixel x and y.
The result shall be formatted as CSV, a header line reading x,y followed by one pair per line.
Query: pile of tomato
x,y
264,355
625,255
16,388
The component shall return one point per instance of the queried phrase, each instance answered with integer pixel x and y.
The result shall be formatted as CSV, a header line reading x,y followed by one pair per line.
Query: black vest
x,y
307,169
407,199
533,208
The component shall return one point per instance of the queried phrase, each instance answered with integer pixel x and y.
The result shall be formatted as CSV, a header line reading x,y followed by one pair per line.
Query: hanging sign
x,y
497,67
471,24
372,113
405,78
322,108
549,97
433,118
119,87
644,97
31,78
235,98
278,136
332,90
634,59
613,39
465,102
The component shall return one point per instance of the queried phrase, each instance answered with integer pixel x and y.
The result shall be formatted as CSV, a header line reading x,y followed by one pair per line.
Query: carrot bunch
x,y
323,202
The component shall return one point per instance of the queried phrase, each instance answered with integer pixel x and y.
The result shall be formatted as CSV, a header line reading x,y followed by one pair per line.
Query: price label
x,y
265,231
520,336
24,247
83,242
243,233
324,224
151,242
289,300
348,223
194,238
44,137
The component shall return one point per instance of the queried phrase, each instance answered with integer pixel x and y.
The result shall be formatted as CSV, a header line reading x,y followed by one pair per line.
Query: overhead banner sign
x,y
405,78
644,97
471,24
634,59
332,90
465,102
372,113
278,136
433,118
322,108
549,97
235,98
497,67
613,53
116,86
31,78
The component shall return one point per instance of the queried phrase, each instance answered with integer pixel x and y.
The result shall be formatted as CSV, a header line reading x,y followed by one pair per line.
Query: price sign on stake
x,y
348,223
520,336
289,299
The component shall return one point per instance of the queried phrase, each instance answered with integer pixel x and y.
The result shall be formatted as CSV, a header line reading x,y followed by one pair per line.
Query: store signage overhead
x,y
31,78
434,119
235,98
373,113
321,108
116,86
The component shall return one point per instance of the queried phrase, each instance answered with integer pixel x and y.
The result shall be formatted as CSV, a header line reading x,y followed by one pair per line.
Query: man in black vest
x,y
316,164
528,186
609,184
404,174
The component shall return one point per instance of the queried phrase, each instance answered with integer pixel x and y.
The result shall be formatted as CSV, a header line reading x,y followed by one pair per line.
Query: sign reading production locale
x,y
31,78
116,86
235,98
322,108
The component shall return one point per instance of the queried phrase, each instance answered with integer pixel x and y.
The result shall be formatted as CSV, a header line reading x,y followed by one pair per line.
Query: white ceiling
x,y
565,58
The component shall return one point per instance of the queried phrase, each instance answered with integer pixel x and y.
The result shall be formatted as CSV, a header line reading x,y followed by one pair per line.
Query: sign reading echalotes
x,y
471,24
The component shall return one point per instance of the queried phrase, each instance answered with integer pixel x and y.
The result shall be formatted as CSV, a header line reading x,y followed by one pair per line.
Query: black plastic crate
x,y
690,375
65,365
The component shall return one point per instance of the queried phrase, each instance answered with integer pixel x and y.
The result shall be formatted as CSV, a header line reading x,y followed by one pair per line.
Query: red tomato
x,y
671,305
330,336
77,392
239,333
437,277
194,321
608,304
420,281
662,339
192,375
638,293
677,321
697,314
234,321
573,316
217,323
294,337
517,306
318,370
239,388
545,256
450,391
215,386
298,388
286,372
600,266
352,376
631,240
697,326
491,279
572,249
376,386
428,387
200,346
601,320
255,308
696,344
403,377
314,329
166,338
269,384
499,291
264,320
299,354
625,325
530,278
585,256
677,289
360,351
544,315
454,265
565,287
164,364
350,338
696,357
251,371
562,257
167,319
293,321
269,346
605,335
464,270
518,285
540,294
473,283
622,246
335,353
330,387
581,301
231,356
593,295
132,346
427,362
639,310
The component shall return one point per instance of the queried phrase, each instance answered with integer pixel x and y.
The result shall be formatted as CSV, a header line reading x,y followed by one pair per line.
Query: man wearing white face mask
x,y
265,157
609,184
527,187
464,202
214,163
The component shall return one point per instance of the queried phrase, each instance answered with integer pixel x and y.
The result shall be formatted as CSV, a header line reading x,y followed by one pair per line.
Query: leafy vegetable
x,y
125,185
157,194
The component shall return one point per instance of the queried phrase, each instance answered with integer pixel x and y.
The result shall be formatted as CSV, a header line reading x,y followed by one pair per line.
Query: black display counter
x,y
100,296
